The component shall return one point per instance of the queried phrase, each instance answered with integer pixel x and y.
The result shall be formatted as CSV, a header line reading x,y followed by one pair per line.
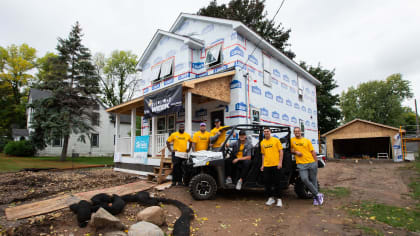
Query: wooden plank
x,y
215,89
57,203
192,83
163,186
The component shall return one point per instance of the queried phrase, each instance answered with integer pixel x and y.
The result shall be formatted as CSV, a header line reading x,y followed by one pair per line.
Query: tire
x,y
302,191
203,187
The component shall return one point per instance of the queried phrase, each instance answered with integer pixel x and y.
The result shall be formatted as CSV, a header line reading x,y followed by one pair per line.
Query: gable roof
x,y
360,120
191,42
37,94
251,36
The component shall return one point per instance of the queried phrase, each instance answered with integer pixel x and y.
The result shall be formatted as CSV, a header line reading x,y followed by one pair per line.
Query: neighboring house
x,y
20,134
101,141
223,75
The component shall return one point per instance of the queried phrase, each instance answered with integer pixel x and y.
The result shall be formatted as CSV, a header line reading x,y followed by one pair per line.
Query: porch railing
x,y
160,143
124,145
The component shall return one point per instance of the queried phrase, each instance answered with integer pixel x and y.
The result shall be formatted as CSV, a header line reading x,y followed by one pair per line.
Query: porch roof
x,y
212,87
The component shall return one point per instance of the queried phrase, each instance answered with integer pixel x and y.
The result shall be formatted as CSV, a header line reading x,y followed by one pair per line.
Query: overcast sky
x,y
363,40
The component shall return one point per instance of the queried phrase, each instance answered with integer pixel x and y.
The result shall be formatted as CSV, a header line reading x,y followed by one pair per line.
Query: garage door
x,y
357,148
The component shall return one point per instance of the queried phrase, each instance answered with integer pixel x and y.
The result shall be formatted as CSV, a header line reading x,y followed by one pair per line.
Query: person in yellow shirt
x,y
180,140
307,163
201,139
217,135
272,161
240,160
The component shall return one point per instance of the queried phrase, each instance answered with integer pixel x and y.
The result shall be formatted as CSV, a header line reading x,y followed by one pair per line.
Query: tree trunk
x,y
65,146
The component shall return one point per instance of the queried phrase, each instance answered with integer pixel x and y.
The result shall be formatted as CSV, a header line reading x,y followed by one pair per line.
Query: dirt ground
x,y
231,213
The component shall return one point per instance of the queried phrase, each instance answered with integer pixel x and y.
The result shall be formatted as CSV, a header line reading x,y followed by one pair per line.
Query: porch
x,y
214,88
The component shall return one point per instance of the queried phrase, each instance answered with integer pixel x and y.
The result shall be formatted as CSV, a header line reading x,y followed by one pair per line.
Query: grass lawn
x,y
8,164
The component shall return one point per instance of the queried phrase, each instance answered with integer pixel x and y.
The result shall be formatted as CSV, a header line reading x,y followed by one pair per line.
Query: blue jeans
x,y
308,173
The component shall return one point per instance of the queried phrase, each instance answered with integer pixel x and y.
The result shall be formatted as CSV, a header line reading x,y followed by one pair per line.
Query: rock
x,y
103,219
153,214
115,233
144,228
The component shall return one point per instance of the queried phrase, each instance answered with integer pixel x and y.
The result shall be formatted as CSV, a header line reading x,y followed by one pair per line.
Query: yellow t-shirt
x,y
222,137
201,140
270,149
240,153
180,141
304,146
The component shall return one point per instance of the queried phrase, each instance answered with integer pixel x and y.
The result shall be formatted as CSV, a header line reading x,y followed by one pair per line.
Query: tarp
x,y
163,103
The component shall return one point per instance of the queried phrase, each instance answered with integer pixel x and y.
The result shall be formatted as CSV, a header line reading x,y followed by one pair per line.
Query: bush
x,y
19,148
3,142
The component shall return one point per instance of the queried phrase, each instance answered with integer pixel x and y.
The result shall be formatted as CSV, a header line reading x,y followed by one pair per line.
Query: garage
x,y
360,139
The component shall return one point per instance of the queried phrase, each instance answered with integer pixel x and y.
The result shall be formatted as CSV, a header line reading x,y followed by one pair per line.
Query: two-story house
x,y
225,71
101,141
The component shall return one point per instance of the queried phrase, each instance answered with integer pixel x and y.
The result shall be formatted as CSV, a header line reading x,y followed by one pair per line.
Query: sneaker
x,y
279,202
320,198
270,201
239,185
228,180
316,203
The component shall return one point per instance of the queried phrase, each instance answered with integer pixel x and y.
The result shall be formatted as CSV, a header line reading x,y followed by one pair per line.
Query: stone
x,y
144,228
103,219
153,214
115,233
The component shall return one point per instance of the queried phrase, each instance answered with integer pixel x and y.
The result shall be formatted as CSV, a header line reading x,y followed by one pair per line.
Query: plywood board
x,y
218,89
57,203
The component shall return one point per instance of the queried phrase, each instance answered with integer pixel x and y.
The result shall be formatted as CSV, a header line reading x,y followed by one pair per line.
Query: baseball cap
x,y
242,132
216,120
203,124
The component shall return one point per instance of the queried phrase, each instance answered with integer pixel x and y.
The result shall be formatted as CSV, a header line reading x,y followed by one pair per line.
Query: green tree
x,y
377,101
16,62
327,103
74,83
252,13
118,76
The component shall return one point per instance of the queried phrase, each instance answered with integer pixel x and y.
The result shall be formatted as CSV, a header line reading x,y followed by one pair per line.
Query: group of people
x,y
240,159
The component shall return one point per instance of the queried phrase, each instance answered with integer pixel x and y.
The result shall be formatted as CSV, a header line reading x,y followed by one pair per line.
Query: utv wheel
x,y
203,187
302,191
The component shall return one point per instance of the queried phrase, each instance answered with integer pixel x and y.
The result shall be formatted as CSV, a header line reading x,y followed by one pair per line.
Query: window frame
x,y
169,65
55,139
91,140
267,81
219,58
155,75
266,70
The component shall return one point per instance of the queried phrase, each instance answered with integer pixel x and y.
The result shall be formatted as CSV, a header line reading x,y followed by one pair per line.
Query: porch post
x,y
152,136
117,134
133,130
188,112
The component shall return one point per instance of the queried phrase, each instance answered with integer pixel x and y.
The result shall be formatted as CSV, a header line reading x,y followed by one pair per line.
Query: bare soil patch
x,y
231,212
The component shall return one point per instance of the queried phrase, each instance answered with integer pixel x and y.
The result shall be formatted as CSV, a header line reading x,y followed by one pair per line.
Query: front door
x,y
219,115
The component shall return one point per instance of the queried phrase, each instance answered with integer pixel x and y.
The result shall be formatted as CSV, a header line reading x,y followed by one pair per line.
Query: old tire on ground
x,y
302,191
203,187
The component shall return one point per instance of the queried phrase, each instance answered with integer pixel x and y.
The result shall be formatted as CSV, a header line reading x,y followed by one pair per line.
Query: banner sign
x,y
398,157
163,103
141,147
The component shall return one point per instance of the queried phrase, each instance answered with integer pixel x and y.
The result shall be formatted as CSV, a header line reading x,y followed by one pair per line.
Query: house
x,y
101,141
20,134
361,138
213,68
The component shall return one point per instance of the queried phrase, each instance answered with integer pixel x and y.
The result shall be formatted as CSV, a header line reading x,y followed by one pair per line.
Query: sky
x,y
362,40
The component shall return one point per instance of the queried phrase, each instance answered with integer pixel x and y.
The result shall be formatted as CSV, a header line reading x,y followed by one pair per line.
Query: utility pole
x,y
417,118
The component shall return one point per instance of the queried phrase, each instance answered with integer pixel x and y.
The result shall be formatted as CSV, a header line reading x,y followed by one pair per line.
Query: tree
x,y
73,81
327,103
118,76
15,64
252,14
377,101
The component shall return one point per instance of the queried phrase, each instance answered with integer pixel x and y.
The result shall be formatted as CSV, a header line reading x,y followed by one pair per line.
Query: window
x,y
267,79
171,124
166,68
155,73
214,55
161,125
300,88
302,127
267,74
94,142
95,119
57,142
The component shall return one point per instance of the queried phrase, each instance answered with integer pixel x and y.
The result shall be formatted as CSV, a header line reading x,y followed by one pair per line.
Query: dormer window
x,y
214,55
